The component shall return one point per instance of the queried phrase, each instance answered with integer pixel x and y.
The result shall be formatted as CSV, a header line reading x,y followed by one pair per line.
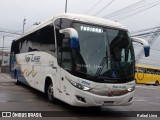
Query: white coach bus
x,y
81,60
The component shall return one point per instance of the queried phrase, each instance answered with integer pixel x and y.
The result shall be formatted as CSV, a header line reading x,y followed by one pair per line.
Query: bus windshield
x,y
104,53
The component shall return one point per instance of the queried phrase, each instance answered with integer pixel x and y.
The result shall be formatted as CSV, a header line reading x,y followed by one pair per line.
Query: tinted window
x,y
41,40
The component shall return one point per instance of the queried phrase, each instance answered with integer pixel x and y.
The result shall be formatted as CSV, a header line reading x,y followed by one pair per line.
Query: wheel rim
x,y
157,83
50,92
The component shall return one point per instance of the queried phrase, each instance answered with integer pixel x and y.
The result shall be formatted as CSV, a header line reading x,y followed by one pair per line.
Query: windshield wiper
x,y
92,76
99,70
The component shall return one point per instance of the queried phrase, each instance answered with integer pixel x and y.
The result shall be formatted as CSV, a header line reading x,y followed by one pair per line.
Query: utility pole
x,y
24,22
66,7
2,51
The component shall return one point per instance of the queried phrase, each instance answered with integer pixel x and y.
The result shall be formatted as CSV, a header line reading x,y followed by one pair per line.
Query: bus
x,y
79,59
147,75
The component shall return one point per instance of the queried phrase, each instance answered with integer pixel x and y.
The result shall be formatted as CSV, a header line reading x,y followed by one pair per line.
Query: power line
x,y
133,32
155,62
133,9
150,41
139,11
149,64
9,32
147,33
155,50
124,9
151,60
104,7
93,6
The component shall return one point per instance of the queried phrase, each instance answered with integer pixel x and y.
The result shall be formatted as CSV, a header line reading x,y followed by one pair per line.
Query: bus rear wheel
x,y
17,81
156,83
50,93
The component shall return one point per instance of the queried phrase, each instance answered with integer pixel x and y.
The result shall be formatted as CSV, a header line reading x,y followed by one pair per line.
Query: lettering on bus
x,y
119,87
32,58
32,72
91,29
148,71
89,66
144,73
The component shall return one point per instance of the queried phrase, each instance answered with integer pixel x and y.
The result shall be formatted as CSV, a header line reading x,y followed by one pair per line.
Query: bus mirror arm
x,y
145,44
73,37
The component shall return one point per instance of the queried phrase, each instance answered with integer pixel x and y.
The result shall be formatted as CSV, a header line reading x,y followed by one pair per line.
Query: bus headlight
x,y
79,86
131,89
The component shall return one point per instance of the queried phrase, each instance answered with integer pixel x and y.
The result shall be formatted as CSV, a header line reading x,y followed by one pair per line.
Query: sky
x,y
13,12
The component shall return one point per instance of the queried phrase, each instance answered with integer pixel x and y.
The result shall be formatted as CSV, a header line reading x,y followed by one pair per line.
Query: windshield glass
x,y
104,52
121,54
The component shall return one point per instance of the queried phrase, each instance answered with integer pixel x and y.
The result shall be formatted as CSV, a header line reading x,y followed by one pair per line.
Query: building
x,y
4,62
4,58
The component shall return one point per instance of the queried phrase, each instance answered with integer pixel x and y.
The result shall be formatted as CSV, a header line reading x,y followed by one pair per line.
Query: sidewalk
x,y
4,75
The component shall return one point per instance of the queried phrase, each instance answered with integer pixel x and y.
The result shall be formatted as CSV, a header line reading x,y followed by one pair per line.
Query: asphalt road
x,y
25,101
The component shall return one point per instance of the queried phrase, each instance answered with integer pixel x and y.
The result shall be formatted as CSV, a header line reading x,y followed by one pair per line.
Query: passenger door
x,y
66,66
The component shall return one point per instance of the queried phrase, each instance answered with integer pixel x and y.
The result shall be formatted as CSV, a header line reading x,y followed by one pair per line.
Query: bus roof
x,y
93,19
144,66
78,17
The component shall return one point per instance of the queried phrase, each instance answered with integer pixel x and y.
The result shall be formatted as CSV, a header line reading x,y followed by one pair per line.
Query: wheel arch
x,y
48,80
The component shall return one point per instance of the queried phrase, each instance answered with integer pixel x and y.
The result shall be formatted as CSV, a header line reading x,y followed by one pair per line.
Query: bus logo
x,y
114,74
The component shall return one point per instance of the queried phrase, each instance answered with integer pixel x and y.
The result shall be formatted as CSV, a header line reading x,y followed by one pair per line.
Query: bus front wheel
x,y
50,93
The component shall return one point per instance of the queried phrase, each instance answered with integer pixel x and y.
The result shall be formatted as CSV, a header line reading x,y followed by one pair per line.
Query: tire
x,y
17,81
156,83
50,93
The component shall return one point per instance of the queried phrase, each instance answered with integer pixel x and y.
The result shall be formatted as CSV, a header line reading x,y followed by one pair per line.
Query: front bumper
x,y
81,98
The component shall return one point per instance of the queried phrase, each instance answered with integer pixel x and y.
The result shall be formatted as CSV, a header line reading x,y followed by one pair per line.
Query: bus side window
x,y
41,40
141,70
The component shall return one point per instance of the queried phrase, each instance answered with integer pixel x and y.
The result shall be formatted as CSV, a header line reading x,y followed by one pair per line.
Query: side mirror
x,y
145,44
73,37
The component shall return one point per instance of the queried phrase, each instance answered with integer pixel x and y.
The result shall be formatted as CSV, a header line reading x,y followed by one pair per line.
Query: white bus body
x,y
78,73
